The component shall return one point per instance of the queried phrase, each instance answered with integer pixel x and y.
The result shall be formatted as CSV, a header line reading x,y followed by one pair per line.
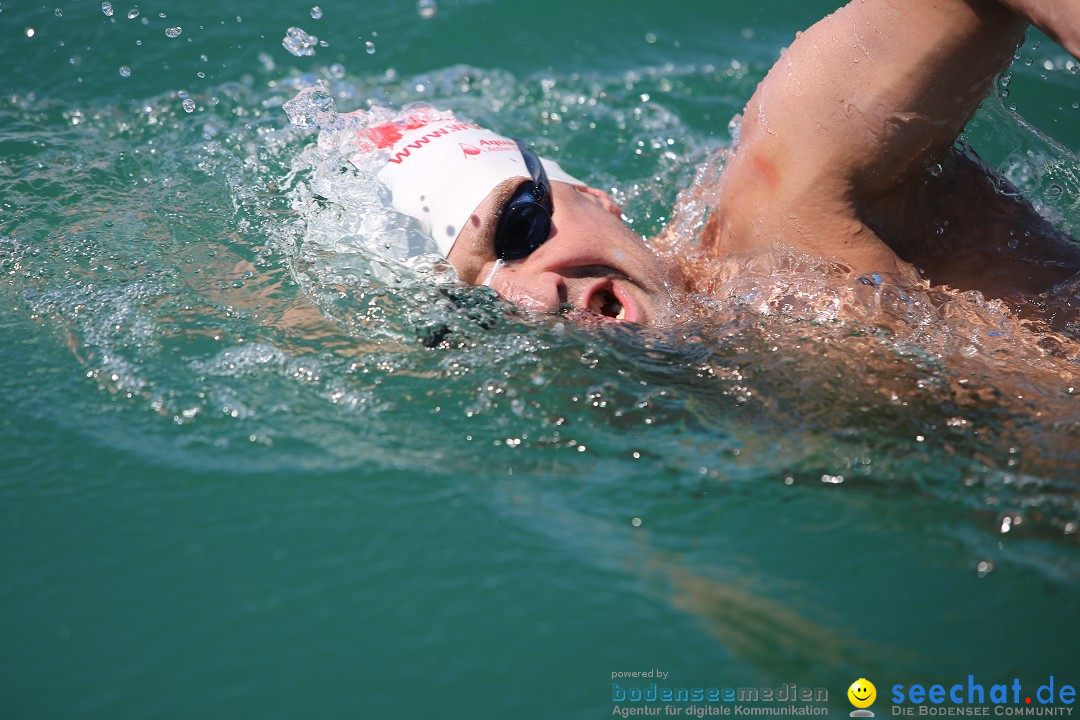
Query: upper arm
x,y
853,109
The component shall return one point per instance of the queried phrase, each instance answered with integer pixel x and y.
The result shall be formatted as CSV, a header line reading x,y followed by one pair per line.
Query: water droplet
x,y
636,522
1027,61
133,13
58,12
426,8
935,169
125,71
173,32
1076,105
30,32
1010,521
1054,191
189,105
1005,93
369,47
201,74
298,42
162,15
984,568
337,71
312,107
106,7
650,38
316,13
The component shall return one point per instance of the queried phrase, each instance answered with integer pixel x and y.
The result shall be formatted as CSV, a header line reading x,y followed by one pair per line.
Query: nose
x,y
538,291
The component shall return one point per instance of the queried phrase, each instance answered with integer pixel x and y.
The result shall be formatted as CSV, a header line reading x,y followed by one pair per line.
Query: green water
x,y
237,482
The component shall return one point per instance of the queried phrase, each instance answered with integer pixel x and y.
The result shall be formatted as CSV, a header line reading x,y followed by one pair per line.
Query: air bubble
x,y
316,13
189,105
173,32
30,32
369,47
133,13
106,7
299,43
426,8
125,71
58,12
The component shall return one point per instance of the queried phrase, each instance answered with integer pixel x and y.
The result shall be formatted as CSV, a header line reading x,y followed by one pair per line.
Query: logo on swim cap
x,y
439,169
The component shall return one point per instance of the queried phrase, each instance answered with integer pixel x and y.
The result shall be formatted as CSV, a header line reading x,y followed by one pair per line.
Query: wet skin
x,y
592,261
834,153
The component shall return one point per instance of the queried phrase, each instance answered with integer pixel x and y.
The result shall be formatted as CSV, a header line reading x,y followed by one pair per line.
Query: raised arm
x,y
852,111
1060,19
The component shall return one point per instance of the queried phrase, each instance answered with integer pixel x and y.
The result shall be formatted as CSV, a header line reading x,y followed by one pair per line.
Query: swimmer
x,y
832,161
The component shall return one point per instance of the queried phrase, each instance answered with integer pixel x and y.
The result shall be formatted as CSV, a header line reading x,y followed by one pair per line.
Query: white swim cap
x,y
439,169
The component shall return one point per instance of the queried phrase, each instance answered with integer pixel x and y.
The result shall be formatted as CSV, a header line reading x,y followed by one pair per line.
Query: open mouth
x,y
604,302
609,301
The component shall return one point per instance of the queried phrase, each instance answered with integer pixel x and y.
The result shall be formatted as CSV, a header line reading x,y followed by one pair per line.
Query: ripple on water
x,y
338,318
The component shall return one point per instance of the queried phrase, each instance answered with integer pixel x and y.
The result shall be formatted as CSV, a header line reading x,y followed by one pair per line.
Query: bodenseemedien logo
x,y
862,694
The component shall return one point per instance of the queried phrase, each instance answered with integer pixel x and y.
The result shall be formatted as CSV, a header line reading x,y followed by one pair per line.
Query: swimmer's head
x,y
518,223
439,168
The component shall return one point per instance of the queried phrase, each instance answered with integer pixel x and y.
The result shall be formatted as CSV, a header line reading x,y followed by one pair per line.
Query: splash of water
x,y
299,43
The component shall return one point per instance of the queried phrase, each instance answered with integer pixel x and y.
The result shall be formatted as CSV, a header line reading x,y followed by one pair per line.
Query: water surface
x,y
253,468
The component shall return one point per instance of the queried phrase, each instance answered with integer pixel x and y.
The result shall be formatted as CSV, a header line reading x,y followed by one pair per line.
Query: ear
x,y
601,198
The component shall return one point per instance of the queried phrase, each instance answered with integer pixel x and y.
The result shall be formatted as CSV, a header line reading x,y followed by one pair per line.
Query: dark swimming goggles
x,y
525,223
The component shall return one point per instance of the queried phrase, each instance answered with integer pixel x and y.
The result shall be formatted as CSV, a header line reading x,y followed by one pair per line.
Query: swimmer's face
x,y
591,262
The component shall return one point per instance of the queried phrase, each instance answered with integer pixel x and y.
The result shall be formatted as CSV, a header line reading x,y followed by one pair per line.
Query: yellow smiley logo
x,y
862,693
